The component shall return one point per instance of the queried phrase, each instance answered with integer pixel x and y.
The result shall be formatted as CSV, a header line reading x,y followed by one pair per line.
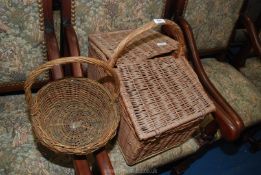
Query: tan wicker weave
x,y
73,115
148,45
162,100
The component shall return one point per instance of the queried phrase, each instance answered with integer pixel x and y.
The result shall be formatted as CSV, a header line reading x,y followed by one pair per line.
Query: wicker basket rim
x,y
54,144
32,103
85,80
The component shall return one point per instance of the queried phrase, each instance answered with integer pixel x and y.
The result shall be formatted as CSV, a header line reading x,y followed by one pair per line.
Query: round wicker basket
x,y
73,115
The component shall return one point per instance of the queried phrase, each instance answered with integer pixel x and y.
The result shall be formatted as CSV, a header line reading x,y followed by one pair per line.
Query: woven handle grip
x,y
49,65
124,43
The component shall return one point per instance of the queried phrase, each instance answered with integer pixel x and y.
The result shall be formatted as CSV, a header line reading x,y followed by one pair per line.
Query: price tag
x,y
159,21
162,44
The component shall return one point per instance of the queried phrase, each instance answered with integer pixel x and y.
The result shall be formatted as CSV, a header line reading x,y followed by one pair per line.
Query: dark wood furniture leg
x,y
104,163
81,166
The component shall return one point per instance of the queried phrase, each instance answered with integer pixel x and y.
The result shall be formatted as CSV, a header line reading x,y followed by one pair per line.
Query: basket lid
x,y
151,44
161,94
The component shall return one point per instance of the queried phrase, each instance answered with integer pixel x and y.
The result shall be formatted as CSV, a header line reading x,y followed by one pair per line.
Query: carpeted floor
x,y
226,159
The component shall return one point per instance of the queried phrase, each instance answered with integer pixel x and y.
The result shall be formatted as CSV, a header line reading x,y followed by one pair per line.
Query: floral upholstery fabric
x,y
212,21
239,92
111,15
150,165
20,39
252,70
20,154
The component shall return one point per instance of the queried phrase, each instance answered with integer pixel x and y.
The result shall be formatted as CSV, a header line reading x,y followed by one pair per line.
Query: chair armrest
x,y
53,53
50,38
73,49
252,33
19,86
228,128
225,115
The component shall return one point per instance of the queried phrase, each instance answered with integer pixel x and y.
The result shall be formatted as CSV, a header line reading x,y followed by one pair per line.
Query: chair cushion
x,y
239,92
20,40
19,151
149,165
105,16
252,70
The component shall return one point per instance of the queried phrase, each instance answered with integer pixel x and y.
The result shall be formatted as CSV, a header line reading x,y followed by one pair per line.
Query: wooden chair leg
x,y
81,166
104,163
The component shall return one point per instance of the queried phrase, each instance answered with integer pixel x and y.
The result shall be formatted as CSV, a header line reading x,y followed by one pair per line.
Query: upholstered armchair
x,y
208,26
23,31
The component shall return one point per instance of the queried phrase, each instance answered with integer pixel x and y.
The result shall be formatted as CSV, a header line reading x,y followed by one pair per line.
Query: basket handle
x,y
157,22
49,65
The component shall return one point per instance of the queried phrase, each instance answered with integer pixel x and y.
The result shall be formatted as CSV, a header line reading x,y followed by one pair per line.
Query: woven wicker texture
x,y
73,115
161,94
135,150
162,100
149,45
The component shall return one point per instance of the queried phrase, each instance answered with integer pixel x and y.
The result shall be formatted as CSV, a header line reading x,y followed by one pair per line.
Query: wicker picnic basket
x,y
73,115
162,101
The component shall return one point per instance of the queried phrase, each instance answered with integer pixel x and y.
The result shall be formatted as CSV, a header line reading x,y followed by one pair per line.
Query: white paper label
x,y
159,21
162,44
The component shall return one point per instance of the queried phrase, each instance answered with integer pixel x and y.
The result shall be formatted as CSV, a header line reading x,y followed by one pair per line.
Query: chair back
x,y
212,21
111,15
21,36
